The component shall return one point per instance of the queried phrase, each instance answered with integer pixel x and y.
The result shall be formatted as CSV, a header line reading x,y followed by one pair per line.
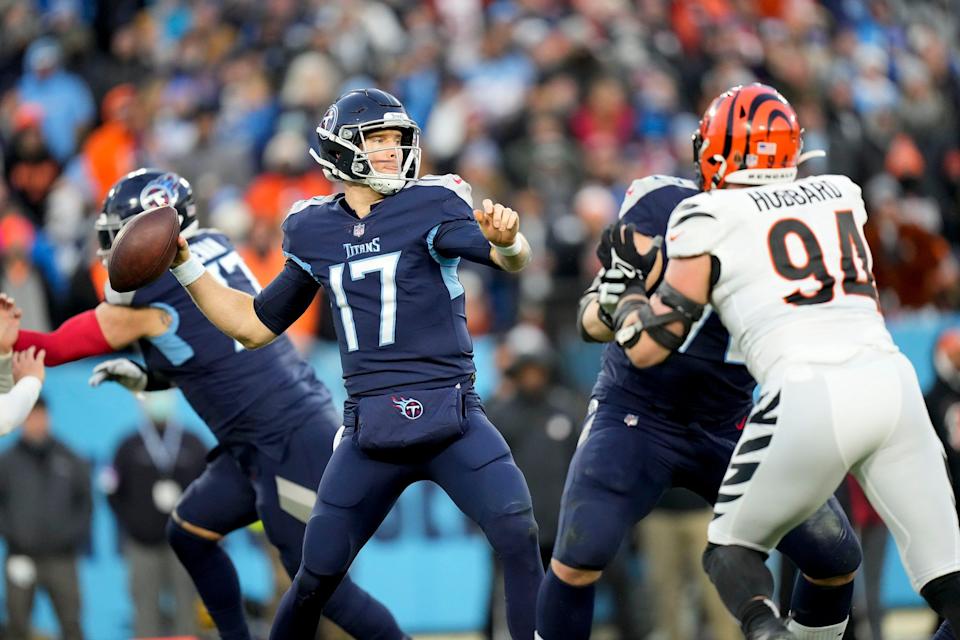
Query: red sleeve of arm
x,y
77,338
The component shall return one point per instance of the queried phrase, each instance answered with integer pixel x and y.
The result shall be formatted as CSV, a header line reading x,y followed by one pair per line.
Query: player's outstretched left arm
x,y
501,227
229,310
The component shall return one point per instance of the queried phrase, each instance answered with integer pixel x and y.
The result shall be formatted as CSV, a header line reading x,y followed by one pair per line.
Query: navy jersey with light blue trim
x,y
702,382
249,397
391,279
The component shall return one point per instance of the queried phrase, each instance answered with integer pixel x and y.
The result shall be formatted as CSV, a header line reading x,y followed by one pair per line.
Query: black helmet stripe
x,y
759,101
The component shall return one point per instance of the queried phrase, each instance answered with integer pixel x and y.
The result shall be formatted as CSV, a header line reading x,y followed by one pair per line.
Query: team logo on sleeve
x,y
160,192
409,408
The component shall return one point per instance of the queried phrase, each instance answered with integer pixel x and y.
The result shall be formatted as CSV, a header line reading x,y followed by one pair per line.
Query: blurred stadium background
x,y
550,106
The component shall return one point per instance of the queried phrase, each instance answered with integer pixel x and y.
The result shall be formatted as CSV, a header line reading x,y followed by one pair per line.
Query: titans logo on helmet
x,y
160,192
330,119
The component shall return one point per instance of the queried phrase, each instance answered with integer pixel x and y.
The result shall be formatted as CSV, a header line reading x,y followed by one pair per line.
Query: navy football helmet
x,y
341,136
140,191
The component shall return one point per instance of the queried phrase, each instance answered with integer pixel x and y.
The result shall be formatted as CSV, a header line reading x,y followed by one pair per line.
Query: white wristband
x,y
510,250
189,272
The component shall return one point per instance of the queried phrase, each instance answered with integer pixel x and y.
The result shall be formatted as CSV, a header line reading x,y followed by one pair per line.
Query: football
x,y
144,249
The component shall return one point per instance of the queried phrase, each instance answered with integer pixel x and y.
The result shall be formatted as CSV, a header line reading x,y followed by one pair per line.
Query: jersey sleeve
x,y
17,403
458,235
695,228
649,201
461,239
286,298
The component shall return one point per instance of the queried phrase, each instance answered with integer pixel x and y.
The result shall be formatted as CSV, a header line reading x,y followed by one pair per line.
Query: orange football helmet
x,y
748,135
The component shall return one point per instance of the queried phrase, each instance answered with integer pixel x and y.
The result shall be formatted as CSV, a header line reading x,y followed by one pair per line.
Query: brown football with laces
x,y
144,249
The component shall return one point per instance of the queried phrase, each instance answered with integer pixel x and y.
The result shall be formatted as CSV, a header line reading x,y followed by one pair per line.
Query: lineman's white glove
x,y
122,371
613,282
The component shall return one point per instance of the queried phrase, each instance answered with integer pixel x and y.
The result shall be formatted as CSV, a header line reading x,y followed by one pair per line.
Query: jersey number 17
x,y
386,265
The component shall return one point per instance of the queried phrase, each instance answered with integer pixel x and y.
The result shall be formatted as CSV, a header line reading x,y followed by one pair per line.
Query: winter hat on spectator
x,y
43,54
116,100
16,232
904,159
27,116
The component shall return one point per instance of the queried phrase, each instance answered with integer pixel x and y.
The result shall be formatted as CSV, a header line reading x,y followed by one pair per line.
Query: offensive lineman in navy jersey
x,y
673,425
387,251
272,418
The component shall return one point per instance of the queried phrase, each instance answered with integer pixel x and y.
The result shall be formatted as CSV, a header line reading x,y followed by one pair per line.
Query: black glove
x,y
618,252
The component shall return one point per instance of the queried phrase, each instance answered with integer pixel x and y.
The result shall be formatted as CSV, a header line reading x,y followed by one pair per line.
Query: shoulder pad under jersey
x,y
450,181
643,186
300,205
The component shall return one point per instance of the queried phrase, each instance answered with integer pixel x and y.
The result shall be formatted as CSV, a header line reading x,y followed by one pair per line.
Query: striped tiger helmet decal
x,y
748,135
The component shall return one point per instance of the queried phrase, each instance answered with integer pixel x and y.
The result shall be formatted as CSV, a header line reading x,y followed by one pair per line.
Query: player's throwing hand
x,y
183,252
498,223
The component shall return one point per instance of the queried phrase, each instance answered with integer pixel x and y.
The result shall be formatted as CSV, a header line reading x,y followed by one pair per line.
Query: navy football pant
x,y
619,473
245,485
478,473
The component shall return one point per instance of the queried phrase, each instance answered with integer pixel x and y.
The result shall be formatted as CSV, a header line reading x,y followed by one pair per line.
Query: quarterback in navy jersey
x,y
273,419
673,425
387,251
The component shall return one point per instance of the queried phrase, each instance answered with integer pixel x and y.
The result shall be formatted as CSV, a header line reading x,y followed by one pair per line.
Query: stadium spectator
x,y
288,178
674,536
943,399
63,96
149,472
30,169
539,416
913,266
21,374
110,151
45,508
20,276
873,539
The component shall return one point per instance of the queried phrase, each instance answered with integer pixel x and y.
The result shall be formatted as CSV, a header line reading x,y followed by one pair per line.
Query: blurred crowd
x,y
551,106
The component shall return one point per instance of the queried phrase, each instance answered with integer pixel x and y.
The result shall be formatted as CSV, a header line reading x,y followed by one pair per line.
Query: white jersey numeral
x,y
359,269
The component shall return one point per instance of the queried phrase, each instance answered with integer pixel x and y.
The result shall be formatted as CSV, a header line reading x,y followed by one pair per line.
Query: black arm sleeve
x,y
286,298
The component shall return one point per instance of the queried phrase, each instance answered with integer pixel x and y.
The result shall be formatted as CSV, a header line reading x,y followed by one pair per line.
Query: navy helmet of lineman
x,y
137,192
342,133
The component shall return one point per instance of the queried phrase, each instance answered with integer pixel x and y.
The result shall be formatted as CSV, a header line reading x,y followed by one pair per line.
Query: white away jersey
x,y
795,283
